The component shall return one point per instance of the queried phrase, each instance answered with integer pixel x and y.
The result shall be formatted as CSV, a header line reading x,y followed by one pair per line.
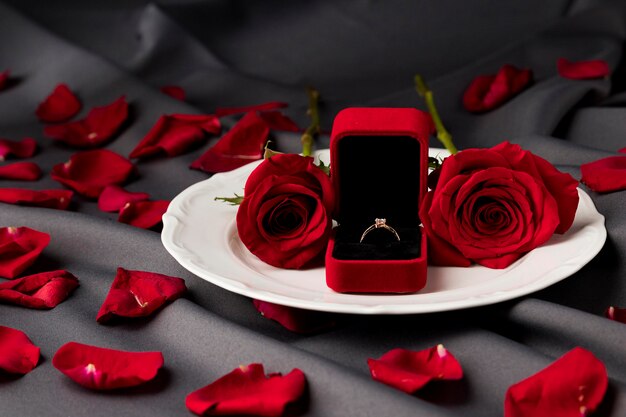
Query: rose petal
x,y
409,371
582,70
272,105
20,171
19,248
623,150
105,369
40,291
605,175
486,92
248,391
139,294
174,91
175,134
114,198
278,121
59,106
573,385
18,355
89,172
239,146
100,125
55,199
143,214
616,313
295,319
4,79
22,149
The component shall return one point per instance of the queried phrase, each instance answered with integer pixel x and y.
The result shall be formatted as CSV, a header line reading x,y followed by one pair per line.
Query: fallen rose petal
x,y
59,106
105,369
22,149
40,291
616,313
239,146
623,150
486,92
55,199
572,386
605,175
19,248
272,105
295,319
409,371
582,70
4,79
89,172
20,171
96,129
175,134
278,121
139,294
174,91
248,391
114,197
143,214
18,355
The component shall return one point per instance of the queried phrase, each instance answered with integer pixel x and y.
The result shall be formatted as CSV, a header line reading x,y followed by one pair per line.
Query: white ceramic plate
x,y
201,235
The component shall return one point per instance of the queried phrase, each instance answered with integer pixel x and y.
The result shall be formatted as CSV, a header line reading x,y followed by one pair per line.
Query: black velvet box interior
x,y
378,177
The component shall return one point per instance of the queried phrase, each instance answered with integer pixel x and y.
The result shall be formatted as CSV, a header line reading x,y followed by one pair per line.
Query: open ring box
x,y
379,167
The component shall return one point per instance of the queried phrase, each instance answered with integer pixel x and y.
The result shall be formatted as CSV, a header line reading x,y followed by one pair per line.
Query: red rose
x,y
285,216
491,206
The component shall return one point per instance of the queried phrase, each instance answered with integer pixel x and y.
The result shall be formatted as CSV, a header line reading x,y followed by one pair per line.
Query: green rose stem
x,y
314,128
442,134
233,201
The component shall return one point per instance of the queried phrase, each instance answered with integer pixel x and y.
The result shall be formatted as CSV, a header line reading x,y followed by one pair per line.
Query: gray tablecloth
x,y
229,53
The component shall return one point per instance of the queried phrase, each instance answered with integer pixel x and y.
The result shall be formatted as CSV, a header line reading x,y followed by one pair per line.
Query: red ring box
x,y
379,166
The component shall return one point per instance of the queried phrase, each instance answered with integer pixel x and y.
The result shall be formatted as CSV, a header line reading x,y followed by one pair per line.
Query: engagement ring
x,y
380,224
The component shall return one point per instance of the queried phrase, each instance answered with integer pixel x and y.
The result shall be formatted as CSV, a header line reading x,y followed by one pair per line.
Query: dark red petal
x,y
623,150
240,146
18,355
139,294
409,371
43,290
175,134
22,149
278,121
55,199
605,175
89,172
295,319
59,106
114,197
100,125
487,92
105,369
20,171
248,391
272,105
19,248
572,386
174,91
143,214
4,79
582,70
616,313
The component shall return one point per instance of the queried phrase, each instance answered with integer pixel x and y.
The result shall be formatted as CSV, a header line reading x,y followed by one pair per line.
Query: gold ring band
x,y
379,224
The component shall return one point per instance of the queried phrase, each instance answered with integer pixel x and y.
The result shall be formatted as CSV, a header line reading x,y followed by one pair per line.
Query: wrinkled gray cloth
x,y
230,53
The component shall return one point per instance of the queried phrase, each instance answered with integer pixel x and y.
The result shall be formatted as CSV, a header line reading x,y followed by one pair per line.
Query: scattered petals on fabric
x,y
19,248
100,125
143,214
18,355
4,79
248,391
582,70
113,198
175,134
605,175
272,105
278,121
100,368
174,91
239,146
487,92
616,313
20,171
22,149
572,386
139,294
89,172
409,371
54,199
59,106
40,291
296,319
